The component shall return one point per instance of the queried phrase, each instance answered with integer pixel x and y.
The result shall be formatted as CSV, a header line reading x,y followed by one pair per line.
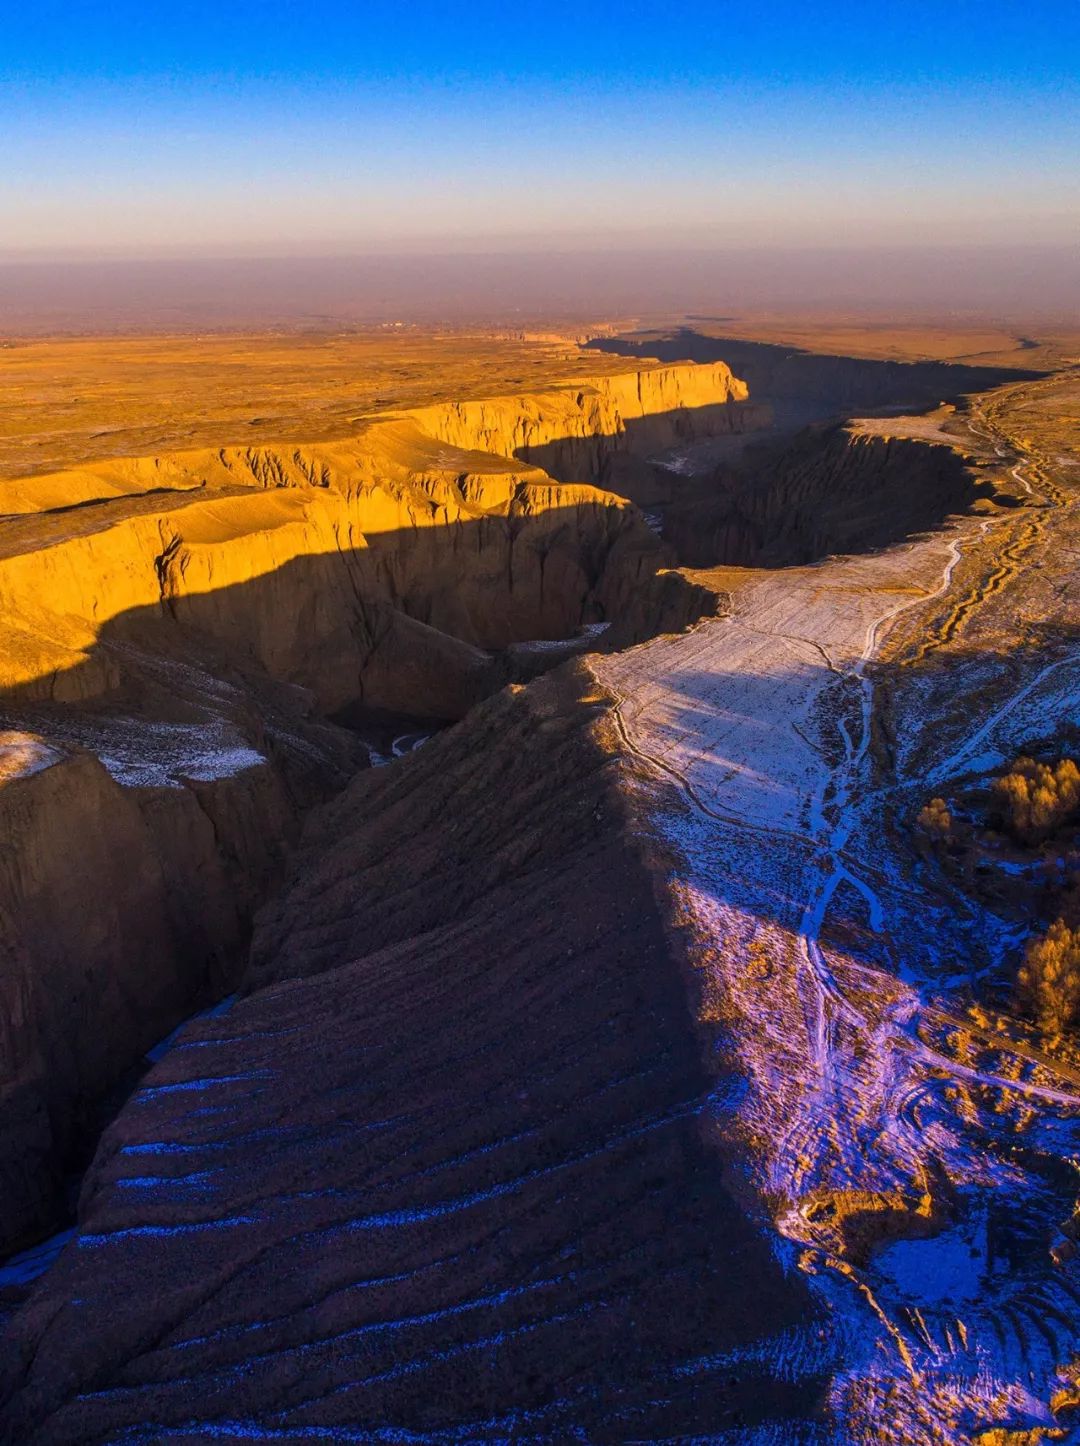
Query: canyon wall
x,y
443,1172
123,909
831,490
299,579
839,384
179,632
596,432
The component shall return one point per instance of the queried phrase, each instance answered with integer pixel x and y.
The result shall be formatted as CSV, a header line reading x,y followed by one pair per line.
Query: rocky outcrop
x,y
179,628
442,1172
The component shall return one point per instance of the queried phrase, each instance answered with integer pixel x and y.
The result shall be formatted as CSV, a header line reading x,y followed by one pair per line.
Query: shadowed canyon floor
x,y
614,1067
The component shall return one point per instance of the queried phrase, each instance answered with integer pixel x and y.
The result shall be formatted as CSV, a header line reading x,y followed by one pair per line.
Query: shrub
x,y
1049,978
935,819
1037,798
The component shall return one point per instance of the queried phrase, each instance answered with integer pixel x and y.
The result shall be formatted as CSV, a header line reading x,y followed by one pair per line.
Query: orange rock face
x,y
180,627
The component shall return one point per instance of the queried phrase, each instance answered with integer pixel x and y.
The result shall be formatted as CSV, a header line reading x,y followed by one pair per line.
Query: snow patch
x,y
27,1265
947,1268
23,754
142,753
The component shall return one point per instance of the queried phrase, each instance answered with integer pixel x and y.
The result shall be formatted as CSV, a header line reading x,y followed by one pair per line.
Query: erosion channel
x,y
600,1069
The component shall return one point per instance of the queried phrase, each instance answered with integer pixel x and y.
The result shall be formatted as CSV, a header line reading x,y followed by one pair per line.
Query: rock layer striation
x,y
441,1174
180,629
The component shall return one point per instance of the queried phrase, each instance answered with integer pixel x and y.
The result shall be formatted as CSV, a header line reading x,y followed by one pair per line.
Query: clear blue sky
x,y
274,127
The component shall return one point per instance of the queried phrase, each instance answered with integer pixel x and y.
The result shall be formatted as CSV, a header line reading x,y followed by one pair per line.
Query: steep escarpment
x,y
139,839
445,1175
836,490
124,909
326,587
182,629
835,385
605,431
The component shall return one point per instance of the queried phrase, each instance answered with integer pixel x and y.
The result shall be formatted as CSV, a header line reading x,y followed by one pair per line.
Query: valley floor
x,y
917,1165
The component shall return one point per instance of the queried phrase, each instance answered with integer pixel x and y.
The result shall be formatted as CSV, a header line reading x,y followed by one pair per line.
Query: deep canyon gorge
x,y
613,1066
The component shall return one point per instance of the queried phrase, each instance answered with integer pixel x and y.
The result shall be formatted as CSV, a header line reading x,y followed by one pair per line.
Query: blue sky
x,y
274,127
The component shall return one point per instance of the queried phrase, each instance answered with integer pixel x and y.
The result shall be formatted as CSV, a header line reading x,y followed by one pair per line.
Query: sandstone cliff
x,y
179,628
442,514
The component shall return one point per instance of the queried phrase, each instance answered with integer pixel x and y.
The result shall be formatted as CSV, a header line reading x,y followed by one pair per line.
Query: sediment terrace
x,y
605,1070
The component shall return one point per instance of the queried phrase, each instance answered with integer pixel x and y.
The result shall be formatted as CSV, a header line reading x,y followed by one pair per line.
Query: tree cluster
x,y
935,819
1049,978
1035,798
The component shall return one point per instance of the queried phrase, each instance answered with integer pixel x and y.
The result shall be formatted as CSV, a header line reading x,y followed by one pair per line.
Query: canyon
x,y
214,620
612,1066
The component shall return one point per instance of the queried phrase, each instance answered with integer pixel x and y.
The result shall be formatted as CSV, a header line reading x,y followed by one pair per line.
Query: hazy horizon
x,y
1008,285
667,160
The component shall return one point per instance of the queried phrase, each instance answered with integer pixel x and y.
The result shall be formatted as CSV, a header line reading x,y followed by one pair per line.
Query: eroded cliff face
x,y
179,631
299,578
603,432
446,1175
838,384
443,515
140,835
832,490
123,908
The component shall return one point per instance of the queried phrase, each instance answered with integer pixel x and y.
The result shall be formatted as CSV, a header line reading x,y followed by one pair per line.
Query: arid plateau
x,y
541,886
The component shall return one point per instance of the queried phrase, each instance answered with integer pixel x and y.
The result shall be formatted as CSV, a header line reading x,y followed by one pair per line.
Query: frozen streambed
x,y
397,747
580,642
823,969
389,745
